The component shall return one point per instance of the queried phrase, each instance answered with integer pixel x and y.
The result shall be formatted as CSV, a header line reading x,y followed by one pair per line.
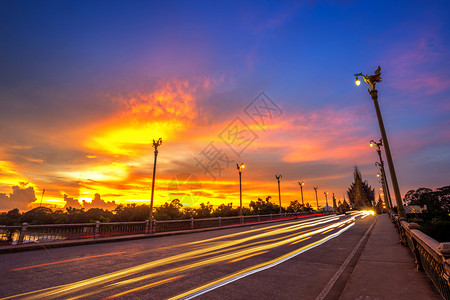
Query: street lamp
x,y
385,185
240,167
301,184
278,177
156,144
371,81
317,199
326,200
383,172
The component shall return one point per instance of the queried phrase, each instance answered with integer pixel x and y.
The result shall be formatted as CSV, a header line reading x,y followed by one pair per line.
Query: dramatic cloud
x,y
79,109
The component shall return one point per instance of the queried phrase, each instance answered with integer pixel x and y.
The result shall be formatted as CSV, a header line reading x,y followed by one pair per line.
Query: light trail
x,y
296,242
254,269
245,257
147,286
66,261
226,250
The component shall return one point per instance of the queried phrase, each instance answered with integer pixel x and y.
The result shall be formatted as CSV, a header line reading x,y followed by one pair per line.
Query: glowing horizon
x,y
264,90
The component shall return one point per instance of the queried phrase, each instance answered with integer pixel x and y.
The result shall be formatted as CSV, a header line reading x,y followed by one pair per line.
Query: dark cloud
x,y
20,198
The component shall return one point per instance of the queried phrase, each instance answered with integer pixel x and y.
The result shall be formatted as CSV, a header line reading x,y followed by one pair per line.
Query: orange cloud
x,y
166,113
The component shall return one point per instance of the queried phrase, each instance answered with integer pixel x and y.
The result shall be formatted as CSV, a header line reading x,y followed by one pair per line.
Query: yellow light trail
x,y
238,248
245,257
253,269
147,286
296,242
66,261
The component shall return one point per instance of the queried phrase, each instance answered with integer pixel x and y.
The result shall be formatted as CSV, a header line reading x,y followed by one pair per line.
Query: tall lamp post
x,y
301,184
385,186
240,167
383,189
383,172
326,200
317,199
371,81
278,177
156,144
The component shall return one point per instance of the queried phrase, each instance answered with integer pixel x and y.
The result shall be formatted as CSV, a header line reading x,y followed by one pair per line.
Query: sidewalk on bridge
x,y
386,269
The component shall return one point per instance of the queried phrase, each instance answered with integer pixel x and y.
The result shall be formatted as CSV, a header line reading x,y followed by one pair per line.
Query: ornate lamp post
x,y
385,186
371,81
156,144
383,189
317,199
240,167
383,172
278,177
301,184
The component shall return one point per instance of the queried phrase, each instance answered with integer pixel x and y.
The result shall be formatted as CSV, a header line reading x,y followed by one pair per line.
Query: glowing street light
x,y
317,199
383,172
240,167
372,80
301,184
326,200
156,144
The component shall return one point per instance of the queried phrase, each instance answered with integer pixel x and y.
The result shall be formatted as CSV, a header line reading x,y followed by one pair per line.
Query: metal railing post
x,y
192,223
23,231
97,230
220,221
147,226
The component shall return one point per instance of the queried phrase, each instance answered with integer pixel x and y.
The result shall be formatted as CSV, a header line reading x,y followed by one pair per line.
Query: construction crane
x,y
42,197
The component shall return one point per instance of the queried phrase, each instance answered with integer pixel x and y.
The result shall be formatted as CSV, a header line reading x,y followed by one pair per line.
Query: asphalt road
x,y
285,260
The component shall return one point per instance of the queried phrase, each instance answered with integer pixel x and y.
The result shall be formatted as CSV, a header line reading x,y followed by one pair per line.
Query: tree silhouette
x,y
437,202
169,211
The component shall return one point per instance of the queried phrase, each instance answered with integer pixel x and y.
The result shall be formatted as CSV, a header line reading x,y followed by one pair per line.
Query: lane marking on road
x,y
65,261
336,276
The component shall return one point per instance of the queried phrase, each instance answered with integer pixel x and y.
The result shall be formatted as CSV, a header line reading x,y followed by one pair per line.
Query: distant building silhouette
x,y
360,194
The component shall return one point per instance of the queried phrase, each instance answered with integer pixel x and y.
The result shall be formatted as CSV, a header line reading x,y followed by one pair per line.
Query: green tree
x,y
225,210
131,212
11,217
38,215
75,215
295,207
263,207
204,211
308,207
98,214
169,211
437,202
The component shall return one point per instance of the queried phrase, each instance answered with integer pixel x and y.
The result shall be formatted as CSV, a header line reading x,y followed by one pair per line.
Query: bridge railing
x,y
430,255
14,235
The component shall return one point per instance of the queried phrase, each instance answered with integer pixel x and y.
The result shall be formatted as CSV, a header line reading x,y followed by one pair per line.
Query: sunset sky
x,y
85,87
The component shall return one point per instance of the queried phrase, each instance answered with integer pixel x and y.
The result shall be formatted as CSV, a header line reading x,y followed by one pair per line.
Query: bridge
x,y
355,256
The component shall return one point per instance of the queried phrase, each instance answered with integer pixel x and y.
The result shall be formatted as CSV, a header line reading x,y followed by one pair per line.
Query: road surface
x,y
308,258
